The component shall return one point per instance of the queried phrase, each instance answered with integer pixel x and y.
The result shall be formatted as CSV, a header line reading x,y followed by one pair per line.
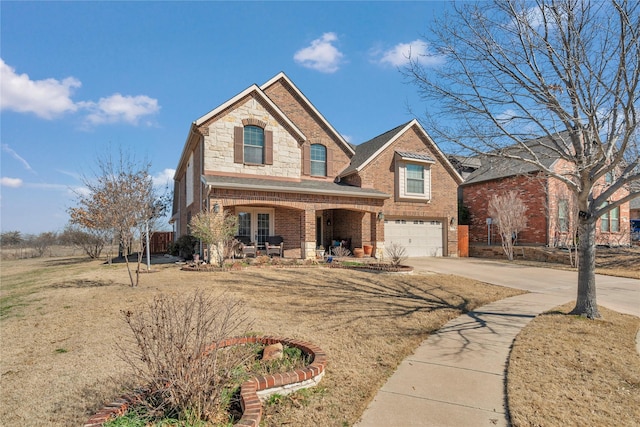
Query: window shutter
x,y
306,159
329,162
268,147
238,144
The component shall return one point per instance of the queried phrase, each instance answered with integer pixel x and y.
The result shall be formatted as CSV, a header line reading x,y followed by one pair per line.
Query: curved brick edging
x,y
249,399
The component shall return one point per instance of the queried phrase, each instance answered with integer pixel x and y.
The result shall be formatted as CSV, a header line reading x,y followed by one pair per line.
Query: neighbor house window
x,y
253,144
318,160
415,179
563,215
610,221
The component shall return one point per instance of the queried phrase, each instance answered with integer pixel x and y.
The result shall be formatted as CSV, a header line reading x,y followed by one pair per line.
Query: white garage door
x,y
419,238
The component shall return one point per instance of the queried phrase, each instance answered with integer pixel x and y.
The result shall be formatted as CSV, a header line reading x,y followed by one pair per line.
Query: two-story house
x,y
552,215
270,157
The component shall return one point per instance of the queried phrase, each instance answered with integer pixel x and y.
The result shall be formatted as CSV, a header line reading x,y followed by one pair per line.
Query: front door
x,y
255,223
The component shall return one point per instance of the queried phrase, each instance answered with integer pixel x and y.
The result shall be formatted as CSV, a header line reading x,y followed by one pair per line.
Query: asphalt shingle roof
x,y
303,186
501,167
368,148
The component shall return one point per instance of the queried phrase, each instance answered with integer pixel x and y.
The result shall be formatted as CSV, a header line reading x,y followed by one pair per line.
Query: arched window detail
x,y
318,160
253,145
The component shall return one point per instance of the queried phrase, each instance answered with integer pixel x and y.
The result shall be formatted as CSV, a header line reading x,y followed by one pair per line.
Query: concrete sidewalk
x,y
457,377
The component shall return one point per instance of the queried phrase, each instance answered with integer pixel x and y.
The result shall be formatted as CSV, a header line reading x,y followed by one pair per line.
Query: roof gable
x,y
257,92
252,90
369,150
283,76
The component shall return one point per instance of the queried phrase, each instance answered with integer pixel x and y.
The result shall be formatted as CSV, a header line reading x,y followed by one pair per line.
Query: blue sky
x,y
80,79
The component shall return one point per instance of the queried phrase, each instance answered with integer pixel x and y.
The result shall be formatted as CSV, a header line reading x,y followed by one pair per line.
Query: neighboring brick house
x,y
550,208
269,157
634,208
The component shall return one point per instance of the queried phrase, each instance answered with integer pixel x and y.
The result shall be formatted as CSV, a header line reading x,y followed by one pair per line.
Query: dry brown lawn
x,y
60,322
569,371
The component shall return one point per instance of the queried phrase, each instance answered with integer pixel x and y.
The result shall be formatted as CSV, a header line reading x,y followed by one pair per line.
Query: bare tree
x,y
90,240
566,70
120,199
216,230
509,213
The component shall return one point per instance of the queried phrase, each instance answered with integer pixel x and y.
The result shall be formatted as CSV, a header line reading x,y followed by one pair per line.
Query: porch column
x,y
309,234
377,235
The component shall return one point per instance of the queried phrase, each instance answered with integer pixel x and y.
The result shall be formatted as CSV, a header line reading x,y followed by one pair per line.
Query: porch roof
x,y
323,188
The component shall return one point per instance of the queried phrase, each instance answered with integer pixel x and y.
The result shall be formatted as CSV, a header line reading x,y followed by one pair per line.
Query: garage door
x,y
419,238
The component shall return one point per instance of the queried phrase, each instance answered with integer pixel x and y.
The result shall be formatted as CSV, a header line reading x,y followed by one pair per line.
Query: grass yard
x,y
566,370
60,320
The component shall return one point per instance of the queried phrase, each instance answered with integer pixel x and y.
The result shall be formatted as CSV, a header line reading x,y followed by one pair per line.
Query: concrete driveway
x,y
616,293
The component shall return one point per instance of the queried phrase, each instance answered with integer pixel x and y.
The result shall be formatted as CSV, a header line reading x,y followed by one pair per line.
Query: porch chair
x,y
247,247
274,245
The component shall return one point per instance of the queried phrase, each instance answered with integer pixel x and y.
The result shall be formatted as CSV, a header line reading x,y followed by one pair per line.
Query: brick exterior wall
x,y
541,196
531,190
314,129
443,206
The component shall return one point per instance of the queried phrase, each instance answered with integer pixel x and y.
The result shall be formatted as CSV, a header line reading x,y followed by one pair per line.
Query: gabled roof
x,y
369,150
541,149
259,93
251,90
283,76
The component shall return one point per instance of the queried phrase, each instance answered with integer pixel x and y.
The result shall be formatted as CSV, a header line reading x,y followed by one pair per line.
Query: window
x,y
610,221
563,215
318,160
189,181
415,179
253,145
412,176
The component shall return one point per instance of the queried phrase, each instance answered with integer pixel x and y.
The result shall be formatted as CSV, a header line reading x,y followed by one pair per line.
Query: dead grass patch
x,y
566,370
59,347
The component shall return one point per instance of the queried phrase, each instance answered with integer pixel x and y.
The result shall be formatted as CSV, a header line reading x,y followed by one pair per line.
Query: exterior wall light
x,y
216,208
380,216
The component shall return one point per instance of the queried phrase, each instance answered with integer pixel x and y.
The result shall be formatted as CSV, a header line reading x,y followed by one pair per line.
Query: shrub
x,y
397,254
340,251
184,247
173,358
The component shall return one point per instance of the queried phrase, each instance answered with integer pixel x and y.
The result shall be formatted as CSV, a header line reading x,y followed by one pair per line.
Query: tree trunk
x,y
586,305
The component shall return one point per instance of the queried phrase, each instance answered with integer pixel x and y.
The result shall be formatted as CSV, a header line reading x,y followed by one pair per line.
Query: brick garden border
x,y
250,390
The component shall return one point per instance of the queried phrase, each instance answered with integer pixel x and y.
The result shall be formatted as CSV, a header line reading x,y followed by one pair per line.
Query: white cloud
x,y
321,55
417,50
45,98
161,179
119,108
10,182
50,98
27,166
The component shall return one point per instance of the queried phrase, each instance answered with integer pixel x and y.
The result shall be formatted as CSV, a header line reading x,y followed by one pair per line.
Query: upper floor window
x,y
563,215
413,176
318,160
253,145
415,179
608,177
610,221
